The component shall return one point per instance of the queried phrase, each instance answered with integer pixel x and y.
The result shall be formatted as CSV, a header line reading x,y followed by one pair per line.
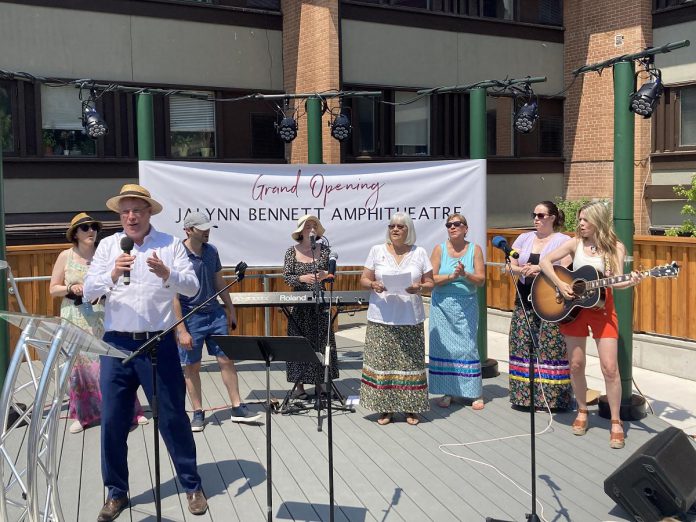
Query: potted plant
x,y
49,142
181,143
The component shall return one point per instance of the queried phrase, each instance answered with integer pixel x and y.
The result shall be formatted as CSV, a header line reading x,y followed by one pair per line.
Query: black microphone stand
x,y
150,347
530,517
328,382
317,291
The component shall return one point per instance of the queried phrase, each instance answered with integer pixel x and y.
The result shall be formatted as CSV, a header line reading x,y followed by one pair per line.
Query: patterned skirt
x,y
454,365
393,374
552,372
306,323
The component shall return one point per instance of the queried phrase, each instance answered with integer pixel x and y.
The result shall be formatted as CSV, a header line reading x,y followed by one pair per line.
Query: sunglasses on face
x,y
396,226
87,226
539,215
454,224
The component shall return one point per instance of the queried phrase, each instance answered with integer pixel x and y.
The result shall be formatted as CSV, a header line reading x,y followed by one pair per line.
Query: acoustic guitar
x,y
588,286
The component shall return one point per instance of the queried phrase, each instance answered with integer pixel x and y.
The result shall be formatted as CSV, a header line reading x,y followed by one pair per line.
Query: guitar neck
x,y
608,281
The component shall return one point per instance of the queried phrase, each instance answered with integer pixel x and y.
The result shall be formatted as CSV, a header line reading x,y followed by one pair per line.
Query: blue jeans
x,y
201,326
119,384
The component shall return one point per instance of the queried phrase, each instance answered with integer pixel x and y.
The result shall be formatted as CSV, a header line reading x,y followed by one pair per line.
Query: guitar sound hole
x,y
579,287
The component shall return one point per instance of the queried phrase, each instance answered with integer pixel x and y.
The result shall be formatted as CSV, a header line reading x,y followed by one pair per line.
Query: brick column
x,y
590,36
311,64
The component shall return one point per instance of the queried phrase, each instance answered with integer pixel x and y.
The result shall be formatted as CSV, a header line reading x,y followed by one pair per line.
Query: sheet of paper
x,y
397,283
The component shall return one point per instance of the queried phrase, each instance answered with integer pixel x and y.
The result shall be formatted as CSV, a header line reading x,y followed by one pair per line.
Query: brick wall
x,y
590,33
311,64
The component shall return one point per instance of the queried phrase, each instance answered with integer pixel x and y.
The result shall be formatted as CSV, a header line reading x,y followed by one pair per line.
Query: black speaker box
x,y
658,480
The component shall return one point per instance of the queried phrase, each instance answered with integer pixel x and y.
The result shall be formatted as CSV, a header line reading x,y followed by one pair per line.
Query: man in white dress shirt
x,y
159,269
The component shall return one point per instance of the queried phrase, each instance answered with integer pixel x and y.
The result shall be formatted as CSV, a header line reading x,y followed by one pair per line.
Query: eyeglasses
x,y
86,226
539,215
397,226
454,224
135,211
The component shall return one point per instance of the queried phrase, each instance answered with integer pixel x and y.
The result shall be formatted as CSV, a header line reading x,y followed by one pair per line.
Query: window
x,y
6,130
364,121
666,4
264,140
61,123
546,139
191,127
674,120
502,9
411,125
499,125
687,117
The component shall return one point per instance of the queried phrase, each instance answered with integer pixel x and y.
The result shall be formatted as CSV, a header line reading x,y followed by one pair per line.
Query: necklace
x,y
593,250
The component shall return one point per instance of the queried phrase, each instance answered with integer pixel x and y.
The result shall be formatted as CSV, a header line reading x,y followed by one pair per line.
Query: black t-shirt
x,y
526,287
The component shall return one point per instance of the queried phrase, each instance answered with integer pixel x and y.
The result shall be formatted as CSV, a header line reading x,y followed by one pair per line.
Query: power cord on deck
x,y
443,448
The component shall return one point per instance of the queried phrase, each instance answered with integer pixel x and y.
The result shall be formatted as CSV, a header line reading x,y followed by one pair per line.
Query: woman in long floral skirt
x,y
393,376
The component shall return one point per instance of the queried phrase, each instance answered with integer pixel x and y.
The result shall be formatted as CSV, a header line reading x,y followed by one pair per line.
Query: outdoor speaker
x,y
658,480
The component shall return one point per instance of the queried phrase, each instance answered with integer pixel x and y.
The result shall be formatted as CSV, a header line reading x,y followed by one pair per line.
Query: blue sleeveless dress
x,y
454,365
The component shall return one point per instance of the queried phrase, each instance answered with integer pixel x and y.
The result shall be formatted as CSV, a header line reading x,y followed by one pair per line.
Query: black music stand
x,y
268,349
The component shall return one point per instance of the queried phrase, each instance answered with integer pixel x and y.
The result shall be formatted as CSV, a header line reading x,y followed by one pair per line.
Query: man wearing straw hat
x,y
137,308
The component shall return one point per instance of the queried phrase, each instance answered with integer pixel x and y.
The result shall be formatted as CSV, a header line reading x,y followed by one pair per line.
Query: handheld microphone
x,y
500,243
332,266
313,240
240,269
126,246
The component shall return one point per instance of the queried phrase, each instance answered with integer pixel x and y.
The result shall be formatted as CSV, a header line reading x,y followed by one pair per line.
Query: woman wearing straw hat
x,y
66,281
306,264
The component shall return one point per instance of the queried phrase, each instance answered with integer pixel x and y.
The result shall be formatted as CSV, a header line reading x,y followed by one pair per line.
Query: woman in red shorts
x,y
595,244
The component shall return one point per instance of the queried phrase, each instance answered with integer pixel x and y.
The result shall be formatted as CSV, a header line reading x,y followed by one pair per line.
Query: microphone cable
x,y
444,448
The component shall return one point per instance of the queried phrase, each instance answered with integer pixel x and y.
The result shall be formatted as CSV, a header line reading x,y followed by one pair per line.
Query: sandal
x,y
385,419
300,396
445,401
580,426
477,405
412,419
616,439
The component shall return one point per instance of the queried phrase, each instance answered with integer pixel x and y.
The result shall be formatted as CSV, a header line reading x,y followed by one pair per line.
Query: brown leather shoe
x,y
197,503
112,509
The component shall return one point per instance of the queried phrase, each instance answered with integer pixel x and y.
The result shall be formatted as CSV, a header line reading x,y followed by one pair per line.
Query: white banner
x,y
256,207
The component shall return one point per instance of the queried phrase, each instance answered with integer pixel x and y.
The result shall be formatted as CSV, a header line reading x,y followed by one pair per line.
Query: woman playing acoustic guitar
x,y
595,244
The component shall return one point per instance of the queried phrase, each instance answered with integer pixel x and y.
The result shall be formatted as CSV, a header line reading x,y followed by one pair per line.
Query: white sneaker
x,y
76,427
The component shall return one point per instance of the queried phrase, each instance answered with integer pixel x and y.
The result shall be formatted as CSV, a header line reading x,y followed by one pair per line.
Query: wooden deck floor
x,y
392,473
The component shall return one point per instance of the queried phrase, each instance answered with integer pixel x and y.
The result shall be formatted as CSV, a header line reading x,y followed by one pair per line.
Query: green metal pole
x,y
146,127
4,333
314,145
624,131
478,150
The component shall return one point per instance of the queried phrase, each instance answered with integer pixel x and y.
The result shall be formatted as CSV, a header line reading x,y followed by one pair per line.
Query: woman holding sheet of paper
x,y
393,375
458,269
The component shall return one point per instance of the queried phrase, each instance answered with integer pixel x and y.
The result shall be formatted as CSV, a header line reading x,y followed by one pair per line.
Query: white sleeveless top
x,y
582,259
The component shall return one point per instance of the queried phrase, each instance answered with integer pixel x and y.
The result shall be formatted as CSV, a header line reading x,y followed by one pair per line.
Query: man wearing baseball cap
x,y
212,319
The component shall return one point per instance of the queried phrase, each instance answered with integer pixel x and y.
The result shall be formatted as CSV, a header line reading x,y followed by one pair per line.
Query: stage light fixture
x,y
287,129
526,117
644,100
341,128
94,125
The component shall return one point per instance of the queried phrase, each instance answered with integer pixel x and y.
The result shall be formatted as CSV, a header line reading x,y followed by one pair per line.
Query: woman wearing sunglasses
x,y
458,269
595,244
552,373
393,374
67,277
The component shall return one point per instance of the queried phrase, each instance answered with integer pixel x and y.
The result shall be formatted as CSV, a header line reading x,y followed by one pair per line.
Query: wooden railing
x,y
37,261
662,306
